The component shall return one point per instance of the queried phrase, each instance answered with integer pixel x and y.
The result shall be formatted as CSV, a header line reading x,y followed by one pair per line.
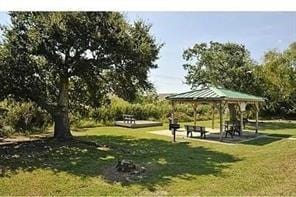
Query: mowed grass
x,y
264,166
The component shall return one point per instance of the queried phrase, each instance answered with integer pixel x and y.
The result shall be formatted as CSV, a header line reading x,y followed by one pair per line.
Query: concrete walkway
x,y
214,136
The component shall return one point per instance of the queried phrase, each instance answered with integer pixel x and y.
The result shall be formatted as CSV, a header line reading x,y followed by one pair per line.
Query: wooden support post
x,y
257,116
173,113
194,110
213,116
221,120
241,122
242,107
173,121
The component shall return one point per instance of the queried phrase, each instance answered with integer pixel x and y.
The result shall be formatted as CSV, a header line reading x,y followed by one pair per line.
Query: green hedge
x,y
158,110
22,118
27,117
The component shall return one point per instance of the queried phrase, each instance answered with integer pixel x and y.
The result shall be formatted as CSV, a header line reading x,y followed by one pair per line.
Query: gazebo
x,y
218,98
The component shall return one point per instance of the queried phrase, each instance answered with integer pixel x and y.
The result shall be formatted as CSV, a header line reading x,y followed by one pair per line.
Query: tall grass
x,y
158,110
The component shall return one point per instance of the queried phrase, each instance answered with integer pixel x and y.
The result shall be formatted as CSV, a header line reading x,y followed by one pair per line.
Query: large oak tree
x,y
221,64
74,59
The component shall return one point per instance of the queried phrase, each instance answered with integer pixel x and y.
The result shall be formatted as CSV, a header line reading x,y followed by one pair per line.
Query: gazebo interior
x,y
218,98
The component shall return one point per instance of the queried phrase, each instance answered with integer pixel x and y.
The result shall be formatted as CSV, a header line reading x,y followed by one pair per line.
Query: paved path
x,y
181,136
15,139
212,137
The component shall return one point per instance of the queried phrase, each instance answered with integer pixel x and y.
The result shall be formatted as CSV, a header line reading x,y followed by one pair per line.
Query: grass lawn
x,y
264,166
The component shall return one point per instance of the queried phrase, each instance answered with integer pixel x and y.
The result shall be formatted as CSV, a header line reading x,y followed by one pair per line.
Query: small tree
x,y
63,61
278,76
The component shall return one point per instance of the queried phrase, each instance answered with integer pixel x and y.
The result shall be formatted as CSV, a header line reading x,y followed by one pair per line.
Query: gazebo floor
x,y
212,136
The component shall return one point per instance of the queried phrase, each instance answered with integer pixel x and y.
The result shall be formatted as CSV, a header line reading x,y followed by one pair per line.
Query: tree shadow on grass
x,y
163,160
268,138
261,141
278,135
277,129
276,125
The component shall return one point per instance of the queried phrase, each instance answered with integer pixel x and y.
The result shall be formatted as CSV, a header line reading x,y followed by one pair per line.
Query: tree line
x,y
230,65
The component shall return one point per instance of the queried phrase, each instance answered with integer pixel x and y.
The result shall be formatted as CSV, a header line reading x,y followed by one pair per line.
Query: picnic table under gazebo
x,y
219,98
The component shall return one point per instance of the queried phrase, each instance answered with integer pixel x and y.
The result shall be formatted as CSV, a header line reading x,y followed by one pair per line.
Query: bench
x,y
231,128
127,118
191,128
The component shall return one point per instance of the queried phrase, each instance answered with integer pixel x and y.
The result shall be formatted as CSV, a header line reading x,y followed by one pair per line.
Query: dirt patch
x,y
22,138
115,174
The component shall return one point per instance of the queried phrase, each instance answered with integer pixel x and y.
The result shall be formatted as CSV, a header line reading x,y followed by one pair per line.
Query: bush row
x,y
27,117
22,117
159,110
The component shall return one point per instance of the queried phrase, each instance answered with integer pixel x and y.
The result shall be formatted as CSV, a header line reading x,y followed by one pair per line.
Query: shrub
x,y
23,117
86,123
157,110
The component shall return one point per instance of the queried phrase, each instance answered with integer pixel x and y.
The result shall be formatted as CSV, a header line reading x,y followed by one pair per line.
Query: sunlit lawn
x,y
264,166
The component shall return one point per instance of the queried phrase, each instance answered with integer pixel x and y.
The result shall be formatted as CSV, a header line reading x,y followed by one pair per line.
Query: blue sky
x,y
258,31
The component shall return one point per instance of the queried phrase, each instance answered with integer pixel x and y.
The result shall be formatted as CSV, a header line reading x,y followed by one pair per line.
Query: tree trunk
x,y
232,112
62,126
61,115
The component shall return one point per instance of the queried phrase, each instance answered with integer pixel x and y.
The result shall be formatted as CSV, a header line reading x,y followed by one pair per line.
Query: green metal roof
x,y
214,94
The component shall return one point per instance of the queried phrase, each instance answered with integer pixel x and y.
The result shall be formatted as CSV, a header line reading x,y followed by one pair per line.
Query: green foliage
x,y
22,117
85,123
4,129
278,82
228,65
72,60
221,64
145,97
157,110
118,107
96,51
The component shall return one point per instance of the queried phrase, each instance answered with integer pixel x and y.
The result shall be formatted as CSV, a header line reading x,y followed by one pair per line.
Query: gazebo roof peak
x,y
213,93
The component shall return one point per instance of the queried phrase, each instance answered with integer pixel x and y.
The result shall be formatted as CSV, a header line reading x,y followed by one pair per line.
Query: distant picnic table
x,y
128,118
232,127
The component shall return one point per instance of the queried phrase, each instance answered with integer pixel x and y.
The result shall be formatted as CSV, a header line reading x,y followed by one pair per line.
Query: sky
x,y
258,31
